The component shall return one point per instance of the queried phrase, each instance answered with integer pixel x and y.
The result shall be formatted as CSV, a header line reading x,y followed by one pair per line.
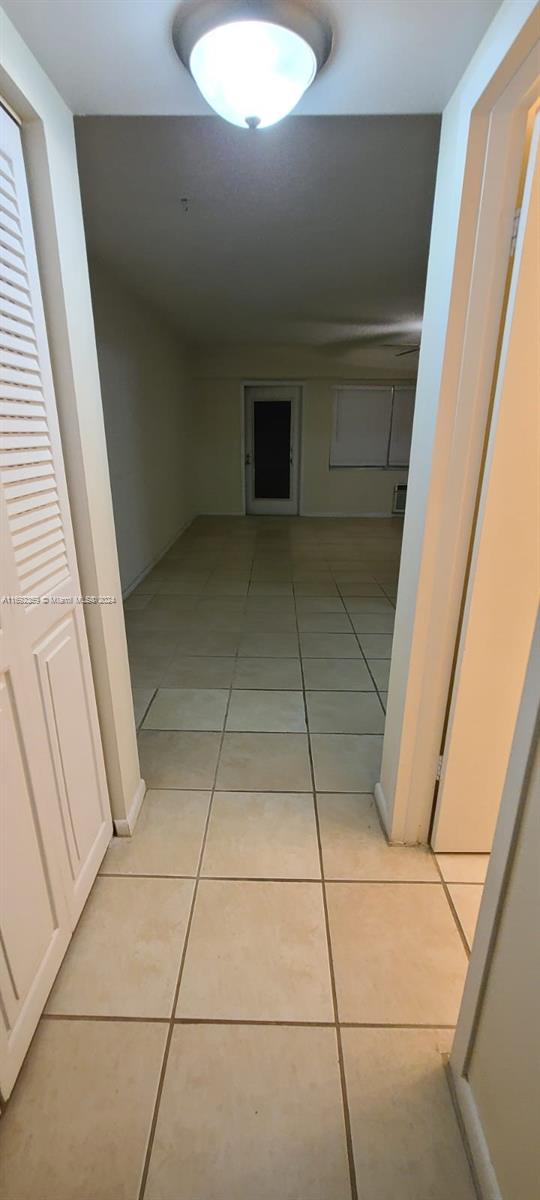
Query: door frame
x,y
482,145
451,831
274,507
53,183
492,906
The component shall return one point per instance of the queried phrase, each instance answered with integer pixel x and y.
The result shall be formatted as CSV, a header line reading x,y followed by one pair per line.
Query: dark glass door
x,y
272,449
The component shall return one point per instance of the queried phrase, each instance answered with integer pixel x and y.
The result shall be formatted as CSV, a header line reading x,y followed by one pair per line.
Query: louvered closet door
x,y
56,820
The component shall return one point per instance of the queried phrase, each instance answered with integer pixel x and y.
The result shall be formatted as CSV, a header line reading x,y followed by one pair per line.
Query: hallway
x,y
260,992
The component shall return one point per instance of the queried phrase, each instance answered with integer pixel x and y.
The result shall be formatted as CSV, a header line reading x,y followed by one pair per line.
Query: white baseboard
x,y
304,513
125,826
146,570
382,806
474,1137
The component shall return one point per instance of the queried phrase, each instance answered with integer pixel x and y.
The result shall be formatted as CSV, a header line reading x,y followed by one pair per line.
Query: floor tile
x,y
257,952
184,585
76,1127
404,1130
281,673
368,604
199,672
463,868
250,1113
354,846
268,645
270,587
187,708
315,587
167,838
382,622
329,645
124,957
270,711
398,957
344,712
270,835
346,762
358,588
376,645
264,762
319,604
324,622
466,898
141,699
337,674
212,643
380,669
170,759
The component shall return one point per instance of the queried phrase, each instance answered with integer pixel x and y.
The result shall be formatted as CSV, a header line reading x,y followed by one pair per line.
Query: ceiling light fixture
x,y
251,59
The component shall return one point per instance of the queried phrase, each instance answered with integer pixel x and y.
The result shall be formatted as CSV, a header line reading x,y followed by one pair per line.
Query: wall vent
x,y
400,497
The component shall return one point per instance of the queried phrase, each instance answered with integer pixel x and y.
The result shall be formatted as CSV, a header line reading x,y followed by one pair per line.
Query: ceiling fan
x,y
401,336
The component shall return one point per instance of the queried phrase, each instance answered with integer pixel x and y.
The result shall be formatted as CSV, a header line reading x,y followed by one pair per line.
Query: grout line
x,y
339,1044
172,1022
276,878
453,908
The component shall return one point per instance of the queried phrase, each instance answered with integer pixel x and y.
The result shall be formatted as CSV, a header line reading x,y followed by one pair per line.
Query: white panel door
x,y
56,820
502,595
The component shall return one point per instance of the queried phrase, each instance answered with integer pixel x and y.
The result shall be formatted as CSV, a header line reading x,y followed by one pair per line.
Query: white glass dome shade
x,y
251,59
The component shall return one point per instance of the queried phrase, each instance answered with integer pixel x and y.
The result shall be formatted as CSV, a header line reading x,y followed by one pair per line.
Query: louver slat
x,y
27,468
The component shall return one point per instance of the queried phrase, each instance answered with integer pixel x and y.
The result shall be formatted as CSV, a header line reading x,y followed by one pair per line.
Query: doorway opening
x,y
272,448
501,592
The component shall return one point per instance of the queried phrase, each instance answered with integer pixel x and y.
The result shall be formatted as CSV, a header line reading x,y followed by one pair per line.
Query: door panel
x,y
502,594
272,425
55,801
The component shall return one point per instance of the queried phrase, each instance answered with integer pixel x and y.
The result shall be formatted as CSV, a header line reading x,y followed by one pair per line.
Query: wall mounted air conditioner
x,y
400,497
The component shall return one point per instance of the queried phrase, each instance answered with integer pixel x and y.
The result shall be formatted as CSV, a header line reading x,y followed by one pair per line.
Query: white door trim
x,y
289,507
491,910
51,162
481,148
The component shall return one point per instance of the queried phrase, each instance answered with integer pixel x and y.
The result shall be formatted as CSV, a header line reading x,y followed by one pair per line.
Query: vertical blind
x,y
372,425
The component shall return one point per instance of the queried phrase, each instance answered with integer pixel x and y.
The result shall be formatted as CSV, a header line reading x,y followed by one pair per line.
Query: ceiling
x,y
301,234
116,56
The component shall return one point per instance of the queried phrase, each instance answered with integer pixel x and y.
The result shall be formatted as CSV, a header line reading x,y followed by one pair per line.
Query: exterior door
x,y
272,448
502,594
56,820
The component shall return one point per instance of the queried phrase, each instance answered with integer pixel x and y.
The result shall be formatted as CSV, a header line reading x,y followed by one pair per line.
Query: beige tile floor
x,y
258,999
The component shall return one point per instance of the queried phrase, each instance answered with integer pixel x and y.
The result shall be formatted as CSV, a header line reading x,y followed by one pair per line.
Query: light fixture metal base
x,y
197,17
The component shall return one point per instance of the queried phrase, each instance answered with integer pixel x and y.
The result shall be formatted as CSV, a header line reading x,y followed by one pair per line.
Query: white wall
x,y
147,405
49,146
504,1070
219,373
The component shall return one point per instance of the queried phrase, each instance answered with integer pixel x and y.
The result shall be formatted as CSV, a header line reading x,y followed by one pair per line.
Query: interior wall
x,y
504,1071
219,373
147,404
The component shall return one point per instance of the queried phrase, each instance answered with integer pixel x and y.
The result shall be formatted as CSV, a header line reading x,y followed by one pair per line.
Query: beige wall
x,y
219,373
504,1072
147,404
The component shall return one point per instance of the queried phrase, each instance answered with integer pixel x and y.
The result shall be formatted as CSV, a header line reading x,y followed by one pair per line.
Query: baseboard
x,y
146,570
229,513
382,806
376,515
473,1135
125,826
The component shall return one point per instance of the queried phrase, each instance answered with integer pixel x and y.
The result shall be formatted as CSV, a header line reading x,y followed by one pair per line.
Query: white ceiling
x,y
116,56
